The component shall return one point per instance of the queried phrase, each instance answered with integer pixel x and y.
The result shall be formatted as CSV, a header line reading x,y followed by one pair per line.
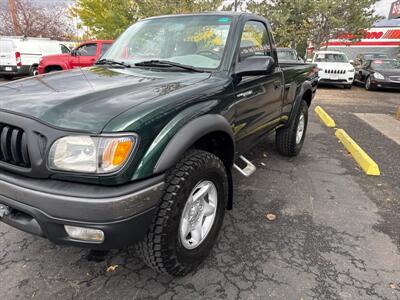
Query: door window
x,y
87,50
64,49
6,46
104,48
255,40
366,64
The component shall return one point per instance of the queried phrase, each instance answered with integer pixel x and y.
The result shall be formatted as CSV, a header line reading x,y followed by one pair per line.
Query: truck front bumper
x,y
44,207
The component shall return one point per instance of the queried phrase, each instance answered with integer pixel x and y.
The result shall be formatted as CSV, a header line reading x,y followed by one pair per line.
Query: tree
x,y
109,18
30,19
295,22
290,19
240,5
333,18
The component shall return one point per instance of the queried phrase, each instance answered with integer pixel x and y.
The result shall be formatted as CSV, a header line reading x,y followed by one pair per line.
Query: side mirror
x,y
256,66
352,62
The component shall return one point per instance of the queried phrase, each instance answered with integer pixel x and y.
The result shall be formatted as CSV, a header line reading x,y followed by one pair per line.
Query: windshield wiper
x,y
166,63
105,61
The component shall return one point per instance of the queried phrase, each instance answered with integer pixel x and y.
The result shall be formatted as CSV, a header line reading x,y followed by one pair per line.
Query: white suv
x,y
334,68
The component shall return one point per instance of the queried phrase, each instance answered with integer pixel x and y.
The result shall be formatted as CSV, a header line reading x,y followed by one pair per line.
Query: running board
x,y
248,170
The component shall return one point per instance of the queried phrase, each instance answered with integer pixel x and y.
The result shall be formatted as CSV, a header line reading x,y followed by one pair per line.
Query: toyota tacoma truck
x,y
140,148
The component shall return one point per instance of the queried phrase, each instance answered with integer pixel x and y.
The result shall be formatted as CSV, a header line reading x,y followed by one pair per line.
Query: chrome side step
x,y
248,170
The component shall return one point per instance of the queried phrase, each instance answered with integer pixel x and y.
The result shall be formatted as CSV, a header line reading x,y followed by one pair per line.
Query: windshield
x,y
331,57
385,64
197,41
374,56
287,55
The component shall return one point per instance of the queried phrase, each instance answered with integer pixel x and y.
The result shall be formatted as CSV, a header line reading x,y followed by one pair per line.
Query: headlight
x,y
89,154
379,76
351,70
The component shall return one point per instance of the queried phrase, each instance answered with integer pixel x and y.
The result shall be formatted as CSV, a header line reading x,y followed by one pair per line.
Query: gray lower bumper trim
x,y
82,208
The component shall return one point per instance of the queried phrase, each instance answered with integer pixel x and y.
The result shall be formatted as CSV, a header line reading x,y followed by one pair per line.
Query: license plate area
x,y
334,77
8,69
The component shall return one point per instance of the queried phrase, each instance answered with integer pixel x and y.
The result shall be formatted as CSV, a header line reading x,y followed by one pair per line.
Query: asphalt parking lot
x,y
336,235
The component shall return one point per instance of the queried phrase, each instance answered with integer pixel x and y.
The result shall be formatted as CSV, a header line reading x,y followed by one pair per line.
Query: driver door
x,y
258,98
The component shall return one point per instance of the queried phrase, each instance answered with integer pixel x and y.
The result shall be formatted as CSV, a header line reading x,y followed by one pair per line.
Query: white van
x,y
21,55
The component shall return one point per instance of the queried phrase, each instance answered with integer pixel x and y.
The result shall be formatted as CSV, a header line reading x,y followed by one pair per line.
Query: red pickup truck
x,y
85,55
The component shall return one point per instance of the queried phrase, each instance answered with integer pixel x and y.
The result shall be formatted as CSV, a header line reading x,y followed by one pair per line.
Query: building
x,y
384,37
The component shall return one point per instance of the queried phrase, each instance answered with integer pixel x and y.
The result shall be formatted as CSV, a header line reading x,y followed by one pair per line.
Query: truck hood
x,y
87,99
57,57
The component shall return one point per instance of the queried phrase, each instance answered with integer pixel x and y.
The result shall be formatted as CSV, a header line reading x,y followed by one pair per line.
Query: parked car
x,y
85,55
334,68
363,57
288,55
21,55
140,148
379,73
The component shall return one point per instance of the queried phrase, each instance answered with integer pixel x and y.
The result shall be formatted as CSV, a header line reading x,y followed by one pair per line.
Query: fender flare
x,y
306,86
188,135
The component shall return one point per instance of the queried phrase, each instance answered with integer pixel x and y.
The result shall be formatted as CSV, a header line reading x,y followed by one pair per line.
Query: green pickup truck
x,y
140,148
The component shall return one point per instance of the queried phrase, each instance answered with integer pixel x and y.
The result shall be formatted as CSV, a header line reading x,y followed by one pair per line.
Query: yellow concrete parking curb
x,y
323,115
366,163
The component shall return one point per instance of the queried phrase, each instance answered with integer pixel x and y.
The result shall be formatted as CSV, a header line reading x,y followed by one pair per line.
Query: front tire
x,y
368,84
189,217
289,140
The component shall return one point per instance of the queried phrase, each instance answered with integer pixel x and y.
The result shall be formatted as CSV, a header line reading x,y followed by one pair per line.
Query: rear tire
x,y
169,246
289,140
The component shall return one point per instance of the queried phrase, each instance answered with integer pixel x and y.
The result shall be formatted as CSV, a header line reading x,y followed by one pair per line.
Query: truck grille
x,y
328,71
13,146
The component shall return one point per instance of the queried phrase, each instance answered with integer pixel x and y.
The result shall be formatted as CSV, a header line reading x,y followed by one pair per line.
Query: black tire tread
x,y
285,137
153,249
